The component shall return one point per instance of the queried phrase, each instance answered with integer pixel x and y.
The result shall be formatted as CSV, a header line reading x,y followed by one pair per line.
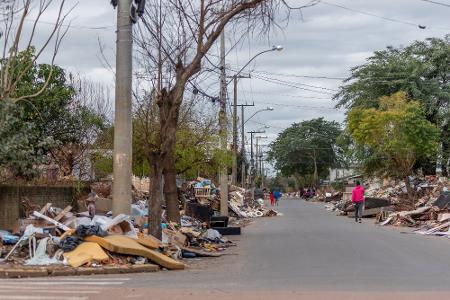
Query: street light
x,y
235,78
269,108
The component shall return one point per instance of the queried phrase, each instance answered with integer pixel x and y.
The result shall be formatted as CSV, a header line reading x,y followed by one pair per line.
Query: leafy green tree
x,y
46,122
394,136
306,148
422,70
20,149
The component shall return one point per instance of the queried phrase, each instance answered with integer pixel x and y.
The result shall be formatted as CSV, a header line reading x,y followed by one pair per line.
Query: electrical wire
x,y
280,82
437,3
378,16
299,76
301,106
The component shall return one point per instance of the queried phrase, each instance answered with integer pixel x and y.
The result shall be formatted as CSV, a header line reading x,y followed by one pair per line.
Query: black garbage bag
x,y
70,243
88,230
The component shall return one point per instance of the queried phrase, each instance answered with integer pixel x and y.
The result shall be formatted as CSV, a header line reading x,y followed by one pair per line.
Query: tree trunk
x,y
316,175
171,191
446,150
154,222
409,191
169,106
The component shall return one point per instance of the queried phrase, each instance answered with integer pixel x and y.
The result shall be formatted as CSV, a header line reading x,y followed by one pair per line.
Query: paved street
x,y
308,253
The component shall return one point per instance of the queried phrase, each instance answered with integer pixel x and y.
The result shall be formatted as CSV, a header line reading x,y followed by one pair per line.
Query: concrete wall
x,y
336,174
11,196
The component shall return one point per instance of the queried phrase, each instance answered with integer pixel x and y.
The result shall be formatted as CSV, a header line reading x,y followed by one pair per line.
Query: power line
x,y
437,3
287,95
289,84
72,26
300,76
300,106
377,16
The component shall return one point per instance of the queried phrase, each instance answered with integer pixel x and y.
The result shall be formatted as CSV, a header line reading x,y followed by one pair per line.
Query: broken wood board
x,y
85,253
407,213
63,213
149,242
174,237
201,253
442,217
45,208
48,219
125,245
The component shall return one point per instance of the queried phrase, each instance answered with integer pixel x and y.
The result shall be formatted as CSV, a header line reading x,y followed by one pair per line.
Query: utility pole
x,y
243,141
252,161
122,122
235,133
262,173
223,174
128,12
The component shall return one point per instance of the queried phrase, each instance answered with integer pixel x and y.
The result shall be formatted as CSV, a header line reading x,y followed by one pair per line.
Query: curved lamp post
x,y
235,133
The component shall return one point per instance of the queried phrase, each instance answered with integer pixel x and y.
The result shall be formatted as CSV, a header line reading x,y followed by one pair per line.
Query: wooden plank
x,y
48,219
201,253
63,213
45,208
125,245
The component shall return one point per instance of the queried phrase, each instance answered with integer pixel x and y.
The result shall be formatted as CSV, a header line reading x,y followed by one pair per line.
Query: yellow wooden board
x,y
149,242
84,253
125,245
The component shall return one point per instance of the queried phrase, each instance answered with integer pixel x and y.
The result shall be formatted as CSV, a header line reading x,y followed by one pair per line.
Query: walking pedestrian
x,y
277,196
272,199
358,201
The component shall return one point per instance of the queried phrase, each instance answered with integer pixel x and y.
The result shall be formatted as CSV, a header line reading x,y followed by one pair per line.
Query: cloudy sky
x,y
298,81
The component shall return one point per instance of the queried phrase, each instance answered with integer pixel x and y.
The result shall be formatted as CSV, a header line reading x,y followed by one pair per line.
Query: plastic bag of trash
x,y
212,234
41,258
138,211
88,230
8,238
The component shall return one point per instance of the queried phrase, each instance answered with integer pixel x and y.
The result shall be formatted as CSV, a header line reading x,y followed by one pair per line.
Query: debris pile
x,y
388,202
51,236
54,236
431,206
202,197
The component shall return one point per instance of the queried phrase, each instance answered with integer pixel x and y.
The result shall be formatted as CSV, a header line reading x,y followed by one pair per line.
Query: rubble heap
x,y
203,194
429,212
51,235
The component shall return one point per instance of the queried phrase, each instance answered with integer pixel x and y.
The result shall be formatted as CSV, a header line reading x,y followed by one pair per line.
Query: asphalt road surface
x,y
308,253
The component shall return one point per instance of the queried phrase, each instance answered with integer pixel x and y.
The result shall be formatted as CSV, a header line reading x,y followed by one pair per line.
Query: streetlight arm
x,y
252,59
258,111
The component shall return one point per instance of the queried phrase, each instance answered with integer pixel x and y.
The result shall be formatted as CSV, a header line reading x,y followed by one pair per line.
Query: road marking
x,y
77,283
30,287
14,297
69,279
3,291
56,288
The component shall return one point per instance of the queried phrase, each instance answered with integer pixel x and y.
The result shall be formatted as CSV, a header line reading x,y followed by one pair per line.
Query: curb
x,y
81,271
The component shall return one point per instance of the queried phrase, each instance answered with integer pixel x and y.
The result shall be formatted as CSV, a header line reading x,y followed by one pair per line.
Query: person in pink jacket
x,y
358,201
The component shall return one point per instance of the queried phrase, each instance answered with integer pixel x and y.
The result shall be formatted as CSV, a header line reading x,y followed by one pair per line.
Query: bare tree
x,y
22,22
173,41
91,103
